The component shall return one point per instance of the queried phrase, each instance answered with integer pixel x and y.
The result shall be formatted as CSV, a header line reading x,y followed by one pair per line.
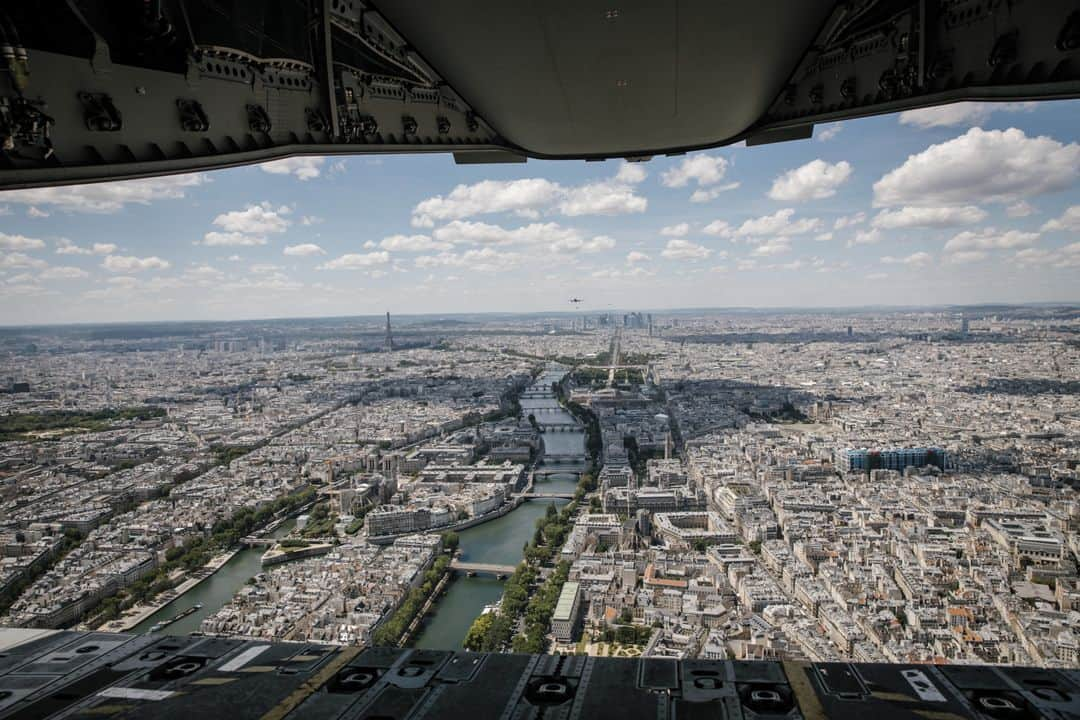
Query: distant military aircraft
x,y
576,300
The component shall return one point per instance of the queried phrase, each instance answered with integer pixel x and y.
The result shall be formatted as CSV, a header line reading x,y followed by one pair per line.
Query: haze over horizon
x,y
970,203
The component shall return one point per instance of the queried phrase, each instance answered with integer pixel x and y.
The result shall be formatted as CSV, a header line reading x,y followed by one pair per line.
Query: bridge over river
x,y
478,568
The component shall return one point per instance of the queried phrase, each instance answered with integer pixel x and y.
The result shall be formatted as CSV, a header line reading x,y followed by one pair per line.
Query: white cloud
x,y
720,228
701,169
310,220
574,244
866,237
254,219
1069,220
66,247
34,212
304,168
63,272
961,113
615,274
357,261
248,227
553,236
823,237
487,196
685,250
981,166
602,198
485,259
679,230
19,242
849,220
635,256
130,263
967,256
824,133
928,217
630,173
1064,257
702,195
20,260
529,196
774,246
202,274
412,243
990,239
815,180
232,239
1020,209
108,197
303,250
916,259
780,223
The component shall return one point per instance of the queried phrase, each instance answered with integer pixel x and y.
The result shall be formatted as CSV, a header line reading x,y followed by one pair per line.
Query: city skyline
x,y
964,204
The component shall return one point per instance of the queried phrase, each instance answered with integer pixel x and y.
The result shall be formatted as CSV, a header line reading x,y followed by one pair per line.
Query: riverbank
x,y
501,539
138,614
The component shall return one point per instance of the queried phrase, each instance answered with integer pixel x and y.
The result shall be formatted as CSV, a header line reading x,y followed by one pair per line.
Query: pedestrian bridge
x,y
543,495
473,568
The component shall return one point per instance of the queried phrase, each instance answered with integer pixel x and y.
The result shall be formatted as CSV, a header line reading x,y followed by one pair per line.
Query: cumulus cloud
x,y
966,256
616,274
303,250
685,250
130,263
304,168
107,197
529,197
19,260
232,239
825,133
553,236
602,198
1063,257
63,272
990,239
488,196
866,237
66,247
486,259
248,227
635,256
1019,209
412,243
1000,166
679,230
1069,220
961,113
357,261
773,246
702,195
916,259
780,223
701,169
849,220
255,219
928,217
630,173
19,242
815,180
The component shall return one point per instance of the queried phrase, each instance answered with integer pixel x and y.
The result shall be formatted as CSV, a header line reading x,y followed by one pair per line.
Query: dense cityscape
x,y
880,485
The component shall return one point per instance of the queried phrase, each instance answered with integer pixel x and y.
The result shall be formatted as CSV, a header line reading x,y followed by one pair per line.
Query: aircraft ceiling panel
x,y
602,78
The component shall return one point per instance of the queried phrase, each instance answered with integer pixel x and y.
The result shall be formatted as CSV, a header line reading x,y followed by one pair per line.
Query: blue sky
x,y
966,203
